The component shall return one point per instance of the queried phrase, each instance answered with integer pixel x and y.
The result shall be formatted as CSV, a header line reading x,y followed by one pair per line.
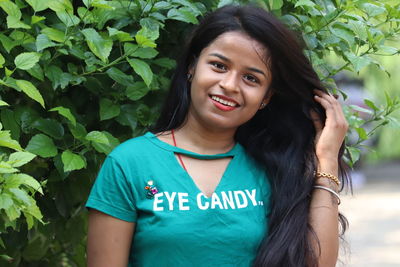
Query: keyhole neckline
x,y
155,140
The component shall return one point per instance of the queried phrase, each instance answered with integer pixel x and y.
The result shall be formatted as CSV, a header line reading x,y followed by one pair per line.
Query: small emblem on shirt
x,y
151,190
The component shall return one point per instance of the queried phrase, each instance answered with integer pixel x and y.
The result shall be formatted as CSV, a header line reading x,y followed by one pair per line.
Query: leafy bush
x,y
77,78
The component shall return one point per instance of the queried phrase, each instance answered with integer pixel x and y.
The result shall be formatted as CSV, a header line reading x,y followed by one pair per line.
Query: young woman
x,y
241,167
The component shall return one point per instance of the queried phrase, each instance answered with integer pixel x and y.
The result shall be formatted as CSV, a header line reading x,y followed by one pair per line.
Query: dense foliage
x,y
79,77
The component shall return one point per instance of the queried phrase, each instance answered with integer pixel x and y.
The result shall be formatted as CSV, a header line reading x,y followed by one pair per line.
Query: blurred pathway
x,y
374,216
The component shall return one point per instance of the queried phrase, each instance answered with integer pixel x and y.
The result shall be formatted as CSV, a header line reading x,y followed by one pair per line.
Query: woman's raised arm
x,y
324,204
109,240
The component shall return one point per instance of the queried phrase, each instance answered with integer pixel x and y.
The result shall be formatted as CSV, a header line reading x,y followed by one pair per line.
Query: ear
x,y
266,99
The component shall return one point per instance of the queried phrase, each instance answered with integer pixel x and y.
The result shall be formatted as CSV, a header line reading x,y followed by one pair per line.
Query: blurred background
x,y
373,210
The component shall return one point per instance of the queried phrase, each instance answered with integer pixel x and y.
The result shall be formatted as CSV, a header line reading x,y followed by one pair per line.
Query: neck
x,y
203,140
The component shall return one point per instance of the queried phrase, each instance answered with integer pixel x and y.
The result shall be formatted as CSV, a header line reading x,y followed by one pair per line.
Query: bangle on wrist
x,y
327,175
330,191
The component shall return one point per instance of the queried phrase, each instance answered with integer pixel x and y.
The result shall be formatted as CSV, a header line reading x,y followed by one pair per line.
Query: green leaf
x,y
34,210
68,19
43,42
146,37
29,220
5,201
362,133
66,112
72,161
388,49
13,213
78,131
7,168
22,37
373,10
27,60
108,109
360,109
275,4
182,14
42,145
358,62
119,76
129,48
142,69
54,35
6,141
20,195
60,6
354,154
10,8
371,104
2,61
127,116
10,123
15,23
15,180
121,35
359,28
36,19
38,5
106,148
145,52
3,103
17,159
97,137
49,127
37,72
30,90
389,101
7,43
308,3
137,91
100,46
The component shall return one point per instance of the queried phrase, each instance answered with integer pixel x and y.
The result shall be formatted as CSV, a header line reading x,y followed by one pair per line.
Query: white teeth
x,y
222,101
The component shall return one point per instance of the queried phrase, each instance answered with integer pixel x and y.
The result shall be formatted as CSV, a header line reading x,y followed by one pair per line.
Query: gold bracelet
x,y
327,175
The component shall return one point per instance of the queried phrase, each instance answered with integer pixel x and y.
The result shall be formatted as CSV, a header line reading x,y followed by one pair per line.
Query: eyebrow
x,y
224,58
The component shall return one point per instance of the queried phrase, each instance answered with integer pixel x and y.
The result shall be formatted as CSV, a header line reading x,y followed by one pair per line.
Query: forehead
x,y
238,44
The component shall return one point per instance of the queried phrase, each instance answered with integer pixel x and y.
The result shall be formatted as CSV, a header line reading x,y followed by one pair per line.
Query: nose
x,y
229,81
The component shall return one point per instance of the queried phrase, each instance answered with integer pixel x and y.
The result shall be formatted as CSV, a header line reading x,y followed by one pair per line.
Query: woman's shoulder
x,y
133,147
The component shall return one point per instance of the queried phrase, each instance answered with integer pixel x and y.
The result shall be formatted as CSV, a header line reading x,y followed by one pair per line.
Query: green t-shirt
x,y
176,224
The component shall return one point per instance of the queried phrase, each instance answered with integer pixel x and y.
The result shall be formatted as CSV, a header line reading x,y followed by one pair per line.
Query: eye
x,y
251,78
218,65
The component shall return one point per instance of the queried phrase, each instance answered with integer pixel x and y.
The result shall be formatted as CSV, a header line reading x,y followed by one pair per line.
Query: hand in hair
x,y
329,135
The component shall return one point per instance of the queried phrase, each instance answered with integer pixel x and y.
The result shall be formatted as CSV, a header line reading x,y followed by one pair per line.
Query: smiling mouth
x,y
224,101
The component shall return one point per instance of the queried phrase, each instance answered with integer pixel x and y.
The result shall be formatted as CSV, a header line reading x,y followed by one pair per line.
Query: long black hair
x,y
280,137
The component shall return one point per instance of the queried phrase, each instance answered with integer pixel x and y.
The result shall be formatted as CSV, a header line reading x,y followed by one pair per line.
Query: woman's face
x,y
230,82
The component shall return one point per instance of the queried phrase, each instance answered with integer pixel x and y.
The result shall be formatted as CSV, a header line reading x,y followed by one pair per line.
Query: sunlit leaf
x,y
18,159
30,90
100,46
72,161
66,112
26,60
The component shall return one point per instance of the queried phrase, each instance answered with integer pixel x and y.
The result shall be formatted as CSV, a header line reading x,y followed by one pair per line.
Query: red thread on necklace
x,y
179,155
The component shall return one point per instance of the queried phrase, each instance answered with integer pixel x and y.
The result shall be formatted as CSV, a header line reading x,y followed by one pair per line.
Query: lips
x,y
224,100
224,103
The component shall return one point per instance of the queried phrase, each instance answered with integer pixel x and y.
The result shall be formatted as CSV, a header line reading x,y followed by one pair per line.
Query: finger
x,y
330,111
316,121
333,110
